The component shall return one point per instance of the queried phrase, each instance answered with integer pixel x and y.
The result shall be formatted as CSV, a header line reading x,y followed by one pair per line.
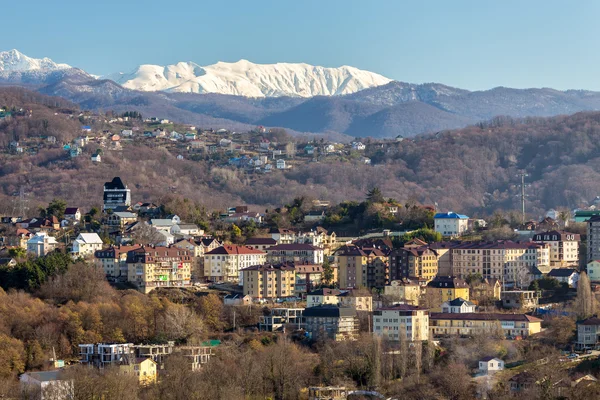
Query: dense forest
x,y
471,170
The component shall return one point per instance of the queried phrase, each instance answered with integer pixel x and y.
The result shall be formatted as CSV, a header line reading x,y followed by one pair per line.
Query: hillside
x,y
471,170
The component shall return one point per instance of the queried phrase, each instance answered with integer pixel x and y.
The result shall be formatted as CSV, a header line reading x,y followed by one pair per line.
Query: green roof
x,y
211,343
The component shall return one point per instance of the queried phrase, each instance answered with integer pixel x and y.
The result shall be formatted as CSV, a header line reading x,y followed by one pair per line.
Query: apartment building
x,y
358,299
510,262
401,321
588,333
151,267
333,322
362,267
85,244
114,260
226,262
269,281
296,253
466,324
309,276
564,247
593,238
414,262
261,243
103,355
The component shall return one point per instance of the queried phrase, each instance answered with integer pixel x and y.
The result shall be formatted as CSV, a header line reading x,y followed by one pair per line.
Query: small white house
x,y
451,223
458,306
281,164
167,238
41,244
569,276
86,244
96,158
489,365
46,385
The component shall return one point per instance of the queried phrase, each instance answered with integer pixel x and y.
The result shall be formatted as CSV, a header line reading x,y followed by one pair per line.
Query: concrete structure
x,y
269,281
451,224
225,263
458,306
41,244
327,321
153,267
396,321
405,291
280,317
357,299
467,324
86,244
519,299
322,296
362,267
309,276
564,247
102,355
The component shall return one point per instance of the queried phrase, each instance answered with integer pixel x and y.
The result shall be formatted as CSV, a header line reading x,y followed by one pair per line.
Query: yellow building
x,y
362,267
269,281
445,288
143,368
414,262
511,325
357,299
403,290
152,267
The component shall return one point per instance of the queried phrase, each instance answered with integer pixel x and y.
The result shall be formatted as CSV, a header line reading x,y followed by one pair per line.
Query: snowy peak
x,y
244,78
16,61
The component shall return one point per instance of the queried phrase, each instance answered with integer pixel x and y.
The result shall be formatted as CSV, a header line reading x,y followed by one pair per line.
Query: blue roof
x,y
450,215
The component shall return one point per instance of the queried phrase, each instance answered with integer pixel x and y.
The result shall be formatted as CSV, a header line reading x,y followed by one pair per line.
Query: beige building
x,y
510,262
358,300
401,321
403,290
564,247
226,262
154,267
511,325
362,267
322,296
414,262
114,260
269,281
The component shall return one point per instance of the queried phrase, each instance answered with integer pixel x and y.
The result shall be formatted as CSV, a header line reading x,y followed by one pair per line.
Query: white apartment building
x,y
401,320
564,247
41,244
296,253
451,223
86,244
226,262
510,262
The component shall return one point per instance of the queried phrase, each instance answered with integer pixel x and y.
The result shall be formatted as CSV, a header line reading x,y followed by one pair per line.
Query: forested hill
x,y
471,170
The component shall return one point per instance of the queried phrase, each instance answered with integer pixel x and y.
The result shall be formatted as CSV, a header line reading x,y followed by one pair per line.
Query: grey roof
x,y
459,301
562,272
329,311
45,376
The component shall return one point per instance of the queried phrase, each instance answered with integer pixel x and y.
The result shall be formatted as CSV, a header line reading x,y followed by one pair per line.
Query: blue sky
x,y
469,44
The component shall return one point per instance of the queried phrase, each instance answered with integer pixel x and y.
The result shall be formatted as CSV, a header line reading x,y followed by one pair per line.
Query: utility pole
x,y
523,195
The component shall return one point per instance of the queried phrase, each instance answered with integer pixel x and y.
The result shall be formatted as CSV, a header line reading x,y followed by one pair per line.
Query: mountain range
x,y
341,102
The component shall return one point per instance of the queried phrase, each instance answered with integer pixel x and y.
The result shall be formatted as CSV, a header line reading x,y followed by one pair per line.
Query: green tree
x,y
56,208
425,234
327,272
375,196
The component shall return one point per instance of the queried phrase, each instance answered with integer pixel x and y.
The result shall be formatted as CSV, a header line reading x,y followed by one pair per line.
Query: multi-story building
x,y
588,333
593,270
401,321
142,368
333,322
116,194
564,247
308,276
405,291
102,355
269,281
445,288
444,256
86,244
296,253
466,324
150,267
357,299
362,267
413,262
261,243
593,238
520,299
451,223
226,262
510,262
322,296
41,244
114,260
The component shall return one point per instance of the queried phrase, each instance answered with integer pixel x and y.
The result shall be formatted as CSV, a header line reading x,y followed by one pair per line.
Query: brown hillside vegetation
x,y
471,170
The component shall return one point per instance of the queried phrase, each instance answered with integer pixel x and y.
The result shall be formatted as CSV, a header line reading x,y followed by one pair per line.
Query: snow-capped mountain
x,y
14,60
244,78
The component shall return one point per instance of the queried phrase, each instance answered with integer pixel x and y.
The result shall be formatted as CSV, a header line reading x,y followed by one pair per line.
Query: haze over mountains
x,y
298,97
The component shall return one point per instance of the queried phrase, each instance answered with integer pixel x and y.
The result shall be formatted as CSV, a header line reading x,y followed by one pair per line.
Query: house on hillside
x,y
281,164
46,385
86,244
569,276
96,158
